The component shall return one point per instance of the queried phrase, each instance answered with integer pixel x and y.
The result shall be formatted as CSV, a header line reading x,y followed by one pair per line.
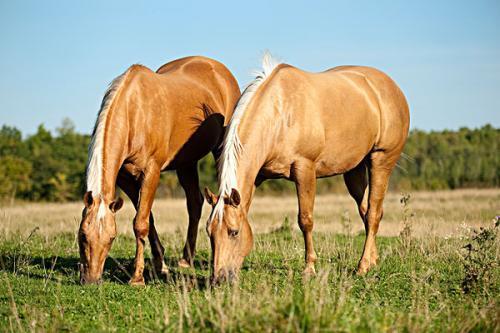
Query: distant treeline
x,y
51,166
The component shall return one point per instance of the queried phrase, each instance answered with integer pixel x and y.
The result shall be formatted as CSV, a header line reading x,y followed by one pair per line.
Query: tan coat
x,y
349,120
152,122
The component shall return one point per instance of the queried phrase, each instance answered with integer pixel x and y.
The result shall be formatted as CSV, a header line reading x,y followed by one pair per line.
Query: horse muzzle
x,y
229,276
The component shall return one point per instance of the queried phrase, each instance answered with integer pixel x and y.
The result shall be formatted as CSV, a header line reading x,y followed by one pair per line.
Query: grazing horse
x,y
150,122
300,126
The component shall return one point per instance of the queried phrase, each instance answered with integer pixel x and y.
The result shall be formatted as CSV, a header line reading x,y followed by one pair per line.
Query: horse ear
x,y
116,205
87,199
235,199
211,198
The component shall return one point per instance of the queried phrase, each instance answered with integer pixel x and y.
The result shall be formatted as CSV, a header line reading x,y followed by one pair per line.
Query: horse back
x,y
211,75
336,117
177,114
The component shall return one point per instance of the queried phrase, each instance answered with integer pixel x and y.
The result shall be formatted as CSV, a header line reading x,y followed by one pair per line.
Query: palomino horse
x,y
150,122
292,124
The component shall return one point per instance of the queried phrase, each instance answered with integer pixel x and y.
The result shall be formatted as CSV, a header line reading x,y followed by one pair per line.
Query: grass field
x,y
418,286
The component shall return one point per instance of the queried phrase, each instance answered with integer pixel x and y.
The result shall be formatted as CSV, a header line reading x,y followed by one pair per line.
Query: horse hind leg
x,y
380,167
357,185
188,177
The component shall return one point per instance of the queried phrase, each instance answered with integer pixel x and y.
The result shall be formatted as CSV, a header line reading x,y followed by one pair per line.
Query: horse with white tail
x,y
150,122
292,124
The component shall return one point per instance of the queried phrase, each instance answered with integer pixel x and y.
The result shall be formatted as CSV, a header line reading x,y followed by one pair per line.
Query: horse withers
x,y
149,122
292,124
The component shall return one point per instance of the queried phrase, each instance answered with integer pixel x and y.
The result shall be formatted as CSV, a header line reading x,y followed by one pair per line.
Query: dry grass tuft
x,y
442,213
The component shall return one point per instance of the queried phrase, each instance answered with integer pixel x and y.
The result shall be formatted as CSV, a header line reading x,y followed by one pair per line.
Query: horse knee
x,y
141,229
306,222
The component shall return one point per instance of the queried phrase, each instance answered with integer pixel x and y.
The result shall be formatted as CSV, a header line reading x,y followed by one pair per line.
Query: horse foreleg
x,y
157,249
188,177
304,175
131,187
141,221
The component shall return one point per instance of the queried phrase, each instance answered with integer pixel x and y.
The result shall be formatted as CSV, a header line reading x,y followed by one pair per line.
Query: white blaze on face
x,y
101,213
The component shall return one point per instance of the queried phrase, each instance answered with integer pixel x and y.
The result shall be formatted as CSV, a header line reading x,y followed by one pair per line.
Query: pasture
x,y
418,286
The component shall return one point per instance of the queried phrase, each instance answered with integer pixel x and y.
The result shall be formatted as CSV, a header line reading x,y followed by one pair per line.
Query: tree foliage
x,y
51,167
450,159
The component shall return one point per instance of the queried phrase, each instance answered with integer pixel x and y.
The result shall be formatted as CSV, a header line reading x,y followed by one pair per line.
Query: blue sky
x,y
57,57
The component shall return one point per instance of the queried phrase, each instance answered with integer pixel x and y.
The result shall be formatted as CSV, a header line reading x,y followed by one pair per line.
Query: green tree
x,y
15,175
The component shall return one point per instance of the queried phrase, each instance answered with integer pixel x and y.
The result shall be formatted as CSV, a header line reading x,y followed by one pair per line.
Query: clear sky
x,y
57,57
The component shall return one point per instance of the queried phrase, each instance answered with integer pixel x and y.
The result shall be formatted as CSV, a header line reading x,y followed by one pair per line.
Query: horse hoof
x,y
137,282
364,267
161,268
361,271
164,269
309,272
183,263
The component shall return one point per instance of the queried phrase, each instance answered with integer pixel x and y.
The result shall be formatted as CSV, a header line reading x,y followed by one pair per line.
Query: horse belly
x,y
345,147
339,162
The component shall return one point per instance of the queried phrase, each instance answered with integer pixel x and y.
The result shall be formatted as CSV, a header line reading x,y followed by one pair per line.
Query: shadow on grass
x,y
118,270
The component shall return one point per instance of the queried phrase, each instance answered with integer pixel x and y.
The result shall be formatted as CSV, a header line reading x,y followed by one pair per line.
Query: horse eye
x,y
232,233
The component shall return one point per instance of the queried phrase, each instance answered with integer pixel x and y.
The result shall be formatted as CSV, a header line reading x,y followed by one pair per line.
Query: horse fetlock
x,y
188,254
137,281
365,264
309,270
183,263
159,265
363,267
311,257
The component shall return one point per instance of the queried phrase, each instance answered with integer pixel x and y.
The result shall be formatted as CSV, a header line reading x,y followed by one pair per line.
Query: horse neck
x,y
116,143
113,161
247,173
112,150
255,153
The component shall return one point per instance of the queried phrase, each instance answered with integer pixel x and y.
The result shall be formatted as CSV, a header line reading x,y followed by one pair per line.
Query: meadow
x,y
438,270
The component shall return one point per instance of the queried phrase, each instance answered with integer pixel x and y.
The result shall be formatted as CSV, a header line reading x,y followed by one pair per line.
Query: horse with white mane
x,y
150,122
292,124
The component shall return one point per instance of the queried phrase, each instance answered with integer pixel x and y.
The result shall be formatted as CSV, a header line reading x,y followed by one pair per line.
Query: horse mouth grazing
x,y
84,280
229,276
85,277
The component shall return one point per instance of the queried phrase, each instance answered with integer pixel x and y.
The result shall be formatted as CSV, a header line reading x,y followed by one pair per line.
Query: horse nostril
x,y
222,274
218,278
88,280
215,280
231,276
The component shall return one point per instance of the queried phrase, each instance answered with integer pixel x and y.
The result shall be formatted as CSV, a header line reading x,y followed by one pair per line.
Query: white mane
x,y
231,146
96,148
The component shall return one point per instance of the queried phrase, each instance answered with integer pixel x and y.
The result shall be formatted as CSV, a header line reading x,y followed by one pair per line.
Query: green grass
x,y
415,288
